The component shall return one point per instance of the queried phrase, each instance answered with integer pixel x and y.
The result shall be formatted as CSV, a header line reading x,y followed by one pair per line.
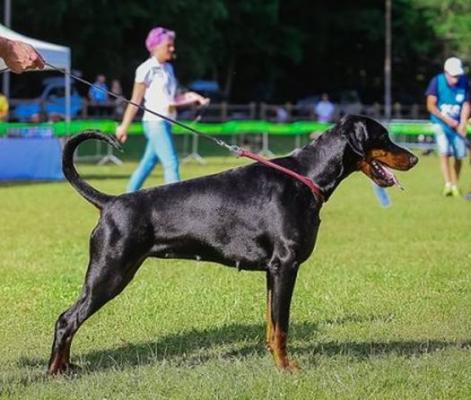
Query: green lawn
x,y
382,310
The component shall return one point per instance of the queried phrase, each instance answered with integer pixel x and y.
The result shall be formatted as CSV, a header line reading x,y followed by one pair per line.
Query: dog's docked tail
x,y
98,199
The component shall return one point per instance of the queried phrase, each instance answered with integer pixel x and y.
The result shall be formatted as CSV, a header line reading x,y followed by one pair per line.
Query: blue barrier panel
x,y
30,159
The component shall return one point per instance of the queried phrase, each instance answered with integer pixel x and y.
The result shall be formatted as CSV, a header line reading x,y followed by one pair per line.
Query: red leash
x,y
307,181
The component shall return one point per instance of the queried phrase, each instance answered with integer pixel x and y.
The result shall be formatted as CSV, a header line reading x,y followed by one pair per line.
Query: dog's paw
x,y
64,369
293,367
287,365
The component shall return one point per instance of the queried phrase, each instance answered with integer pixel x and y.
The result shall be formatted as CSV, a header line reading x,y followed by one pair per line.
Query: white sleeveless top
x,y
161,87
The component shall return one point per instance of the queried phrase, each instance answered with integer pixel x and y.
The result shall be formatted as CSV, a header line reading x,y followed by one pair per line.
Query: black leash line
x,y
233,148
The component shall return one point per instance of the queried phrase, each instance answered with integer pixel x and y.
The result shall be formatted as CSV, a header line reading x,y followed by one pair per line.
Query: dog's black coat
x,y
252,218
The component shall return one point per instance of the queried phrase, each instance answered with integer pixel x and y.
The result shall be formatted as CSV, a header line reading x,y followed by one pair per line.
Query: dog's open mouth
x,y
379,173
382,175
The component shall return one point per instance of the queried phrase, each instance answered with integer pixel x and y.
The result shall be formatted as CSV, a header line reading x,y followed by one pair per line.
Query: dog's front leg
x,y
280,285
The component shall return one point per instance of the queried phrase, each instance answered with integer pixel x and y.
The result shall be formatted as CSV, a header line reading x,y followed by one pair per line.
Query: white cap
x,y
454,66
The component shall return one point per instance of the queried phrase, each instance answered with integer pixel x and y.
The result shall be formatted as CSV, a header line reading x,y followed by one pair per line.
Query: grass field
x,y
382,310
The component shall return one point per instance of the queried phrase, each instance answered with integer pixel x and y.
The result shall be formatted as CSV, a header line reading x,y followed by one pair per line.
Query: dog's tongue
x,y
390,175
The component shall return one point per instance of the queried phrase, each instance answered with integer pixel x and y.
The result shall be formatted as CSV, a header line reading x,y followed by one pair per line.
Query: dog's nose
x,y
413,160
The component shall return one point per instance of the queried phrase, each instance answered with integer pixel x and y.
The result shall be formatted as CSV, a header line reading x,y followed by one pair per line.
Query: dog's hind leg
x,y
280,286
106,278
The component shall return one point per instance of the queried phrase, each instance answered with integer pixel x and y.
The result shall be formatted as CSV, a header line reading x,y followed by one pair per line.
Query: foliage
x,y
262,49
451,22
253,40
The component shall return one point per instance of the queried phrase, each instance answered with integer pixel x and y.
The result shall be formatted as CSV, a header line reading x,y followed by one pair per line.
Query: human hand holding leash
x,y
189,98
205,101
20,56
462,128
452,123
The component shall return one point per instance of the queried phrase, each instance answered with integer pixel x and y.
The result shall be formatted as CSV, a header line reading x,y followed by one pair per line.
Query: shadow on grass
x,y
11,184
99,177
364,350
188,348
7,184
197,347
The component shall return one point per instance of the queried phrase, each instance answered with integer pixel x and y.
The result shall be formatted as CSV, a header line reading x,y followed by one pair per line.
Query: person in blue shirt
x,y
449,105
97,92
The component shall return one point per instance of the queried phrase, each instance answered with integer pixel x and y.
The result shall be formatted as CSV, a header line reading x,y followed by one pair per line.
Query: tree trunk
x,y
229,76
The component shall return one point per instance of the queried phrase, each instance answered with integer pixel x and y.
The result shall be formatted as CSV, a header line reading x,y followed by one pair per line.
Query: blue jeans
x,y
159,146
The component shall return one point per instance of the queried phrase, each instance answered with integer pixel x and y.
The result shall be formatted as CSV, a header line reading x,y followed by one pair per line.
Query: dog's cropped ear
x,y
353,129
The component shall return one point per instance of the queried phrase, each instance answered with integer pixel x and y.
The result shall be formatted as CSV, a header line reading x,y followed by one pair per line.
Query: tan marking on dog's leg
x,y
280,352
269,337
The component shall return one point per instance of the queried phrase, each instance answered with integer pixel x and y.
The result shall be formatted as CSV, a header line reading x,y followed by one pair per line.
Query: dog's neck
x,y
324,161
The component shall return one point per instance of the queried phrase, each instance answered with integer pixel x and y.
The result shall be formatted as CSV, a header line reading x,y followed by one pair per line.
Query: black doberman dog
x,y
253,218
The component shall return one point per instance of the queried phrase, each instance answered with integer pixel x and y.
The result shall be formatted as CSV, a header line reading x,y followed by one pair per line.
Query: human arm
x,y
188,98
464,116
138,92
19,56
433,109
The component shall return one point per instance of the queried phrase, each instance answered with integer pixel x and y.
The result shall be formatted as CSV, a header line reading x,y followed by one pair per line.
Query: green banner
x,y
222,128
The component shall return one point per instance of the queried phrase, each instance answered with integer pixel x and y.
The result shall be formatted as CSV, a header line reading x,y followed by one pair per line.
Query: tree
x,y
252,41
261,49
451,22
108,36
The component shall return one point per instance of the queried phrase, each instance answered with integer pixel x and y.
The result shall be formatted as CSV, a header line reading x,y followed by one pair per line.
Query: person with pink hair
x,y
155,83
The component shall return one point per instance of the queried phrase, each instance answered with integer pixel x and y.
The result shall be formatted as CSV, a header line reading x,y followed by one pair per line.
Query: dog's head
x,y
370,141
